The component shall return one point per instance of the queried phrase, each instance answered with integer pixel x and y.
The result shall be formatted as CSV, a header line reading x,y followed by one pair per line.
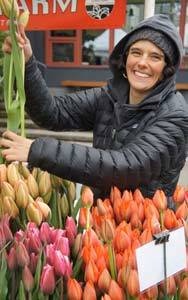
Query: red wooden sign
x,y
72,14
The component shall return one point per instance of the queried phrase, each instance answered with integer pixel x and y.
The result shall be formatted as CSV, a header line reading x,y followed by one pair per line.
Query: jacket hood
x,y
158,22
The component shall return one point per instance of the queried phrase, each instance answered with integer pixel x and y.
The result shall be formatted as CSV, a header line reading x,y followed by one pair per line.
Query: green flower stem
x,y
13,286
10,83
112,260
161,219
22,101
29,296
59,210
87,218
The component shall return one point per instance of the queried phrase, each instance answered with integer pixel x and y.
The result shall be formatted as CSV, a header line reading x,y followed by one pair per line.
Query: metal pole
x,y
149,8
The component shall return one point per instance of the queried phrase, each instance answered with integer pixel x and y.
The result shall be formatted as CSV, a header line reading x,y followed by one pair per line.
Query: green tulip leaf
x,y
3,279
13,114
21,292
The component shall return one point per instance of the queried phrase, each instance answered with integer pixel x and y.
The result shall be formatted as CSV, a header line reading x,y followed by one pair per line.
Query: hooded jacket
x,y
134,146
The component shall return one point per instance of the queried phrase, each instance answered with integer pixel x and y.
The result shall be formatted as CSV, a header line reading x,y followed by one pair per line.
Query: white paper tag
x,y
150,259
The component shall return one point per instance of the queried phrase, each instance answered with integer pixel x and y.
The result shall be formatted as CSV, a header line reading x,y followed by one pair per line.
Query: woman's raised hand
x,y
16,147
23,43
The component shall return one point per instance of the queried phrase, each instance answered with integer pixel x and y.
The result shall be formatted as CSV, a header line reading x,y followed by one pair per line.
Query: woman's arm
x,y
71,111
142,160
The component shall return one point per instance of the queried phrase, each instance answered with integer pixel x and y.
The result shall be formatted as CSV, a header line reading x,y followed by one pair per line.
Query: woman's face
x,y
144,66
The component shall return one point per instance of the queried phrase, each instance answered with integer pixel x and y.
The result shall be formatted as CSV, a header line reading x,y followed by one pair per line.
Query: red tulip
x,y
47,282
74,290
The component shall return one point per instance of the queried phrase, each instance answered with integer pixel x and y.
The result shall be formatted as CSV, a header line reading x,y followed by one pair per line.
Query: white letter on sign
x,y
44,4
23,5
63,5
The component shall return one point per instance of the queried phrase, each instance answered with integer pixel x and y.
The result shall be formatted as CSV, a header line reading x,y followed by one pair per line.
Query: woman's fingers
x,y
11,135
16,147
6,143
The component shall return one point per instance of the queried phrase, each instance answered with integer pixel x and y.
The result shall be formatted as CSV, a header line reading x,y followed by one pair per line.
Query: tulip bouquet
x,y
35,263
35,196
14,67
113,230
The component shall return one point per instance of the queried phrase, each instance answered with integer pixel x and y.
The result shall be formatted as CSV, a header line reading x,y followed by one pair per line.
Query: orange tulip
x,y
127,196
115,194
89,292
74,290
121,241
107,230
83,217
115,292
184,289
170,220
91,272
137,196
182,211
179,194
150,209
87,197
146,236
104,281
159,200
106,297
152,292
171,286
135,221
133,283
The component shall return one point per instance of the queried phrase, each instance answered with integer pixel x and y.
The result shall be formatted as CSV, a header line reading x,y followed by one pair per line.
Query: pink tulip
x,y
45,233
55,234
2,237
50,253
59,263
11,259
19,235
71,229
47,282
22,255
33,262
34,241
62,244
27,279
6,228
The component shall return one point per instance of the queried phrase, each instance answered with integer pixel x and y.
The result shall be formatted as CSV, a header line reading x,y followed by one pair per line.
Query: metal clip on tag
x,y
163,238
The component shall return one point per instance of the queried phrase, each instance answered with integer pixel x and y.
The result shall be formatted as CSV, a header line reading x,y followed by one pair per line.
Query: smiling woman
x,y
139,120
144,67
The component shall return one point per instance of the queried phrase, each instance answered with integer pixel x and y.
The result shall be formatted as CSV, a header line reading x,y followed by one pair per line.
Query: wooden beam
x,y
79,83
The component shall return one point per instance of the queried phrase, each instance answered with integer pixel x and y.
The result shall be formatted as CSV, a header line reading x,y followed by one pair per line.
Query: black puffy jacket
x,y
134,146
